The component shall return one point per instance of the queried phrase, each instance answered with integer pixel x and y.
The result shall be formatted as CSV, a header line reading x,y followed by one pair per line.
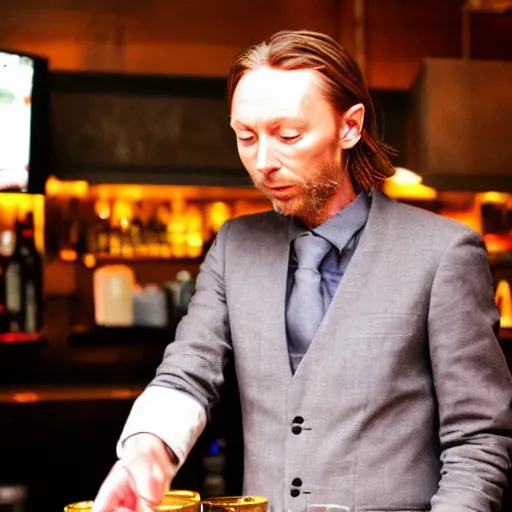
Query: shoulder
x,y
253,226
418,223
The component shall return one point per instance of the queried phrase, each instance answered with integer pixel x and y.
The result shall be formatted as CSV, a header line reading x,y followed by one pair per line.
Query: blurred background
x,y
118,167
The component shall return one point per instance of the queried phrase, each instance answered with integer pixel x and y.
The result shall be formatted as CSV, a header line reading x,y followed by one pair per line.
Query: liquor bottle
x,y
152,235
76,229
137,228
25,280
6,248
99,230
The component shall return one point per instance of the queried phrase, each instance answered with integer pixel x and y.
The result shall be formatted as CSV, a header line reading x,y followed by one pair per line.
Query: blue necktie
x,y
305,308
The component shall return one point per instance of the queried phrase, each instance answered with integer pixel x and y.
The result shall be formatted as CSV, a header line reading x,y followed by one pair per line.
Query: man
x,y
370,377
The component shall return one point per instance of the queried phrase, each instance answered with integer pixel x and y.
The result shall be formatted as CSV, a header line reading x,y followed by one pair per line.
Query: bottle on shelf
x,y
137,228
99,230
24,282
152,233
162,219
6,249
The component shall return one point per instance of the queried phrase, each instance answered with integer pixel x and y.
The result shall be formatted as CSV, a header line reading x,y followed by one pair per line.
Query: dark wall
x,y
168,130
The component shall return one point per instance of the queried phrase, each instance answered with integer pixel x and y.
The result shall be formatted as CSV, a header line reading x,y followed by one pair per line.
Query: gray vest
x,y
356,424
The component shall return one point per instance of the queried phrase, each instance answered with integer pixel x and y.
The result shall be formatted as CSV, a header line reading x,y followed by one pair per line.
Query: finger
x,y
115,492
150,475
142,506
147,481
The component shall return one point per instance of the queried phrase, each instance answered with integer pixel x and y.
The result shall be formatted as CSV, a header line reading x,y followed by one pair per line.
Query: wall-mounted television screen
x,y
24,122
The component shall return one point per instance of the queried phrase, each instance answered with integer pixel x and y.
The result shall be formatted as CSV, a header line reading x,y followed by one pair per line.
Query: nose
x,y
266,159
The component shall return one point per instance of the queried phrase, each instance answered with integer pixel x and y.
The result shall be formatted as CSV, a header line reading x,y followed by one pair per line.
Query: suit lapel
x,y
354,287
272,266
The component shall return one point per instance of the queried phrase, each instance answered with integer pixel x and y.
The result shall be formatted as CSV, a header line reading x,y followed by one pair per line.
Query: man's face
x,y
288,138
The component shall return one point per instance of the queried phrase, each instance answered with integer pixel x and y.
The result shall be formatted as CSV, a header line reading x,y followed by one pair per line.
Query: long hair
x,y
367,162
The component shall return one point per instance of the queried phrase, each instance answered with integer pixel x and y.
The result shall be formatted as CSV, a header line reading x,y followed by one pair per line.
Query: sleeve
x,y
472,381
176,404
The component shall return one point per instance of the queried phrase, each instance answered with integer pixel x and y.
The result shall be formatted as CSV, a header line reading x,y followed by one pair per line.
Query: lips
x,y
281,187
282,191
277,186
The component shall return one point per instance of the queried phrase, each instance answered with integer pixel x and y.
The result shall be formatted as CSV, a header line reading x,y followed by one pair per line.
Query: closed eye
x,y
246,140
289,138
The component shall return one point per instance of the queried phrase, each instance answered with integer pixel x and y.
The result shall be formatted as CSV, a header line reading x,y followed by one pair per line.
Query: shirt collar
x,y
341,228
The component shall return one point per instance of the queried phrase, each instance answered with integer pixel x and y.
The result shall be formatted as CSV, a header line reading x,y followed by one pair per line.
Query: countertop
x,y
68,393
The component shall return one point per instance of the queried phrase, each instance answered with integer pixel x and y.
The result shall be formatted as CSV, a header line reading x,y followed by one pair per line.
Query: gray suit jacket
x,y
402,402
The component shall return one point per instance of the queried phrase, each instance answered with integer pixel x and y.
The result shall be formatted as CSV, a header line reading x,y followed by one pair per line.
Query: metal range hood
x,y
459,125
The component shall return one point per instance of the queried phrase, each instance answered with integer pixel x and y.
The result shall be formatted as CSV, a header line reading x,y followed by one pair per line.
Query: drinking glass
x,y
174,500
235,504
190,495
79,506
184,501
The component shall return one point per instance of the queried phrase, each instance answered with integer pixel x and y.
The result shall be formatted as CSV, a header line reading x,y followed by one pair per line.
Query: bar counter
x,y
63,409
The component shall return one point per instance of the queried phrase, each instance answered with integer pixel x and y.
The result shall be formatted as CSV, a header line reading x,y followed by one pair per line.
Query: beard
x,y
309,203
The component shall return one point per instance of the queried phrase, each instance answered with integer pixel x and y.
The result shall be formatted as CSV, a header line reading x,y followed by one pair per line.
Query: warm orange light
x,y
15,206
89,260
68,255
405,177
194,219
124,222
407,185
194,240
24,398
163,214
186,215
122,213
471,217
496,244
102,209
504,302
123,394
217,214
171,193
56,187
492,197
244,207
194,245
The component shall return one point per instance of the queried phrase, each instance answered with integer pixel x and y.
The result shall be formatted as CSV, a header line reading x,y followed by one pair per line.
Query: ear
x,y
352,126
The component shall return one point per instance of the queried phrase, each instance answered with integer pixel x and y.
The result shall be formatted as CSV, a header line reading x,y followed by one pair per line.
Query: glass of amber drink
x,y
182,493
79,506
180,500
235,504
175,500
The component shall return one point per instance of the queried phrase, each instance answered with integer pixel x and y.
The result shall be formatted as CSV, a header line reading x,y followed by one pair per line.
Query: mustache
x,y
290,181
307,184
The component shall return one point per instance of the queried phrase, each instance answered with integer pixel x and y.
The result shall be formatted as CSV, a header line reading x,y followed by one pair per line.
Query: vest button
x,y
296,429
294,493
297,482
298,419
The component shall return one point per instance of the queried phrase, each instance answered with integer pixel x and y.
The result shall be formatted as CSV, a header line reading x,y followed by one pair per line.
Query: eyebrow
x,y
275,120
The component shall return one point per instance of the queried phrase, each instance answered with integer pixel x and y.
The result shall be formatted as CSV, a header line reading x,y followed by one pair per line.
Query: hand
x,y
138,481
